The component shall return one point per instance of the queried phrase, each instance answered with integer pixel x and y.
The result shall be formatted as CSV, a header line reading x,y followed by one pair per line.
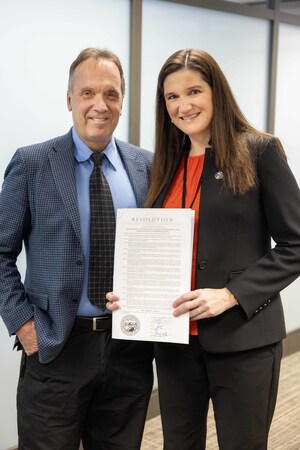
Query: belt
x,y
100,323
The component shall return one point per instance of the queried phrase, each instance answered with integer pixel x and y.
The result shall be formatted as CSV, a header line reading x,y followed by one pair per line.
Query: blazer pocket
x,y
39,300
234,274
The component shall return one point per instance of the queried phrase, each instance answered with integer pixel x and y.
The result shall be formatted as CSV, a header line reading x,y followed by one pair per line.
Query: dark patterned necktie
x,y
102,236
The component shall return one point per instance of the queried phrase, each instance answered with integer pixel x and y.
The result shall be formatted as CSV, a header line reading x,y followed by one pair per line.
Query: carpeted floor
x,y
285,430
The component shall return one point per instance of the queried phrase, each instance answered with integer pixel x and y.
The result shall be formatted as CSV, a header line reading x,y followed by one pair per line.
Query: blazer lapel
x,y
136,169
63,168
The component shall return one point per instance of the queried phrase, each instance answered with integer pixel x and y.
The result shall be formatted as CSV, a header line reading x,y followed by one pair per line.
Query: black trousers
x,y
96,390
242,386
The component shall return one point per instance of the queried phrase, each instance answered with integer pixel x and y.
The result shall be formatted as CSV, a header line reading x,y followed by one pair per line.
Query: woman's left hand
x,y
204,303
113,301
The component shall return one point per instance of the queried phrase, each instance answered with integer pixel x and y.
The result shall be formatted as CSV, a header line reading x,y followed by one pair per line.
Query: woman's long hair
x,y
231,133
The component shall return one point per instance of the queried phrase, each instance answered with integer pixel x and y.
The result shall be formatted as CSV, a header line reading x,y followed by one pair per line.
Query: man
x,y
75,381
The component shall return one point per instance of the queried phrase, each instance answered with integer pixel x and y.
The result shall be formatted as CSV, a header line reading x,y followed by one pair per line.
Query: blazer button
x,y
202,265
74,300
78,262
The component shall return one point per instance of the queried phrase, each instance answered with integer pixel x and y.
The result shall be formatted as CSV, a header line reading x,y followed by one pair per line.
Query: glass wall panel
x,y
38,42
290,6
256,3
238,43
287,126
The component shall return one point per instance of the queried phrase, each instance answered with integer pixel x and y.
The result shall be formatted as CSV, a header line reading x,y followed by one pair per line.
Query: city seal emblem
x,y
130,325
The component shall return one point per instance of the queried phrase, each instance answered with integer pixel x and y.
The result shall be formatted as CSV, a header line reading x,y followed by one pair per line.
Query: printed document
x,y
152,267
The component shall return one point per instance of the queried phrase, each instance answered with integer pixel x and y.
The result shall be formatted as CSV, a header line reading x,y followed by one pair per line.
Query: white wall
x,y
39,39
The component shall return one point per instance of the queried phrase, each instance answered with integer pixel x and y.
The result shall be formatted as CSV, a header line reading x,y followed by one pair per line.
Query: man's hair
x,y
97,54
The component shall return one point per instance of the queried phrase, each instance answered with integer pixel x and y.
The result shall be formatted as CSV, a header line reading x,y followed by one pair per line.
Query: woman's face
x,y
189,103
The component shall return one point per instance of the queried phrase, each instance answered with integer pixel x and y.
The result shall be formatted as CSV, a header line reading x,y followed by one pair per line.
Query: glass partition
x,y
238,43
38,42
290,7
287,125
256,3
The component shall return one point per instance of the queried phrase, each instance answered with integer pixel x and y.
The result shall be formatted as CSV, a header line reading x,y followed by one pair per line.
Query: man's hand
x,y
27,336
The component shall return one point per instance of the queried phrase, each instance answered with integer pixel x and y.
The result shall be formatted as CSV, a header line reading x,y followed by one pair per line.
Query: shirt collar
x,y
82,152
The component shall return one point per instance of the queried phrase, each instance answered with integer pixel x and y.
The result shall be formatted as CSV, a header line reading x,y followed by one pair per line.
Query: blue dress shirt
x,y
122,195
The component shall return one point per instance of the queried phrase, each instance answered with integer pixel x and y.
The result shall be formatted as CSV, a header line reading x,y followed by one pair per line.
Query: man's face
x,y
95,99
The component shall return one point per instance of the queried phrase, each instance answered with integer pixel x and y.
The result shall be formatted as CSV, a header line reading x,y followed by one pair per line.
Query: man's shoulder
x,y
133,151
41,148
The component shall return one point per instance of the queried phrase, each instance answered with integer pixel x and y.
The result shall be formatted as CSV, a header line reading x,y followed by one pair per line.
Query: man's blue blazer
x,y
38,207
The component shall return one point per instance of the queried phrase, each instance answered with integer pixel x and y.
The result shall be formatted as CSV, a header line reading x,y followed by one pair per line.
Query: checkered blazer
x,y
38,205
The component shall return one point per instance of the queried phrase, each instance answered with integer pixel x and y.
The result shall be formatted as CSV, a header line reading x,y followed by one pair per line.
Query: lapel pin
x,y
219,175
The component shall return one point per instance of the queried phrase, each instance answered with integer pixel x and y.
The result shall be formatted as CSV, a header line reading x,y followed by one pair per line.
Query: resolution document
x,y
152,267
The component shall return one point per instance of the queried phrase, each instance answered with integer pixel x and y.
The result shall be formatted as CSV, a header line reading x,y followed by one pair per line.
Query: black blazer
x,y
234,250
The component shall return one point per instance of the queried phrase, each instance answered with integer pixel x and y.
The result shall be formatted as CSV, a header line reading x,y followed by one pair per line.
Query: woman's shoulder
x,y
260,143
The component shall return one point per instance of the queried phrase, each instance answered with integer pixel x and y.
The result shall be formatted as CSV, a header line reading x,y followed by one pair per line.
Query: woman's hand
x,y
113,301
204,303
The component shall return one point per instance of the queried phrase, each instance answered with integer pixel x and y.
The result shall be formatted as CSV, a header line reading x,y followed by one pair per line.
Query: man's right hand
x,y
27,336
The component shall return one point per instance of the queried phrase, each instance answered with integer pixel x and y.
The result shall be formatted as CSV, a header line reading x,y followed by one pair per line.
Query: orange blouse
x,y
173,199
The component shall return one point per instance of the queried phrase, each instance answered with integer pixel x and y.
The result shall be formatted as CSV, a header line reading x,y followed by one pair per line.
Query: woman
x,y
209,158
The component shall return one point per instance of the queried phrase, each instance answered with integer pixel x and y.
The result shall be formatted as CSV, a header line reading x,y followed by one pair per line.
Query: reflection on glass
x,y
286,6
290,7
256,3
